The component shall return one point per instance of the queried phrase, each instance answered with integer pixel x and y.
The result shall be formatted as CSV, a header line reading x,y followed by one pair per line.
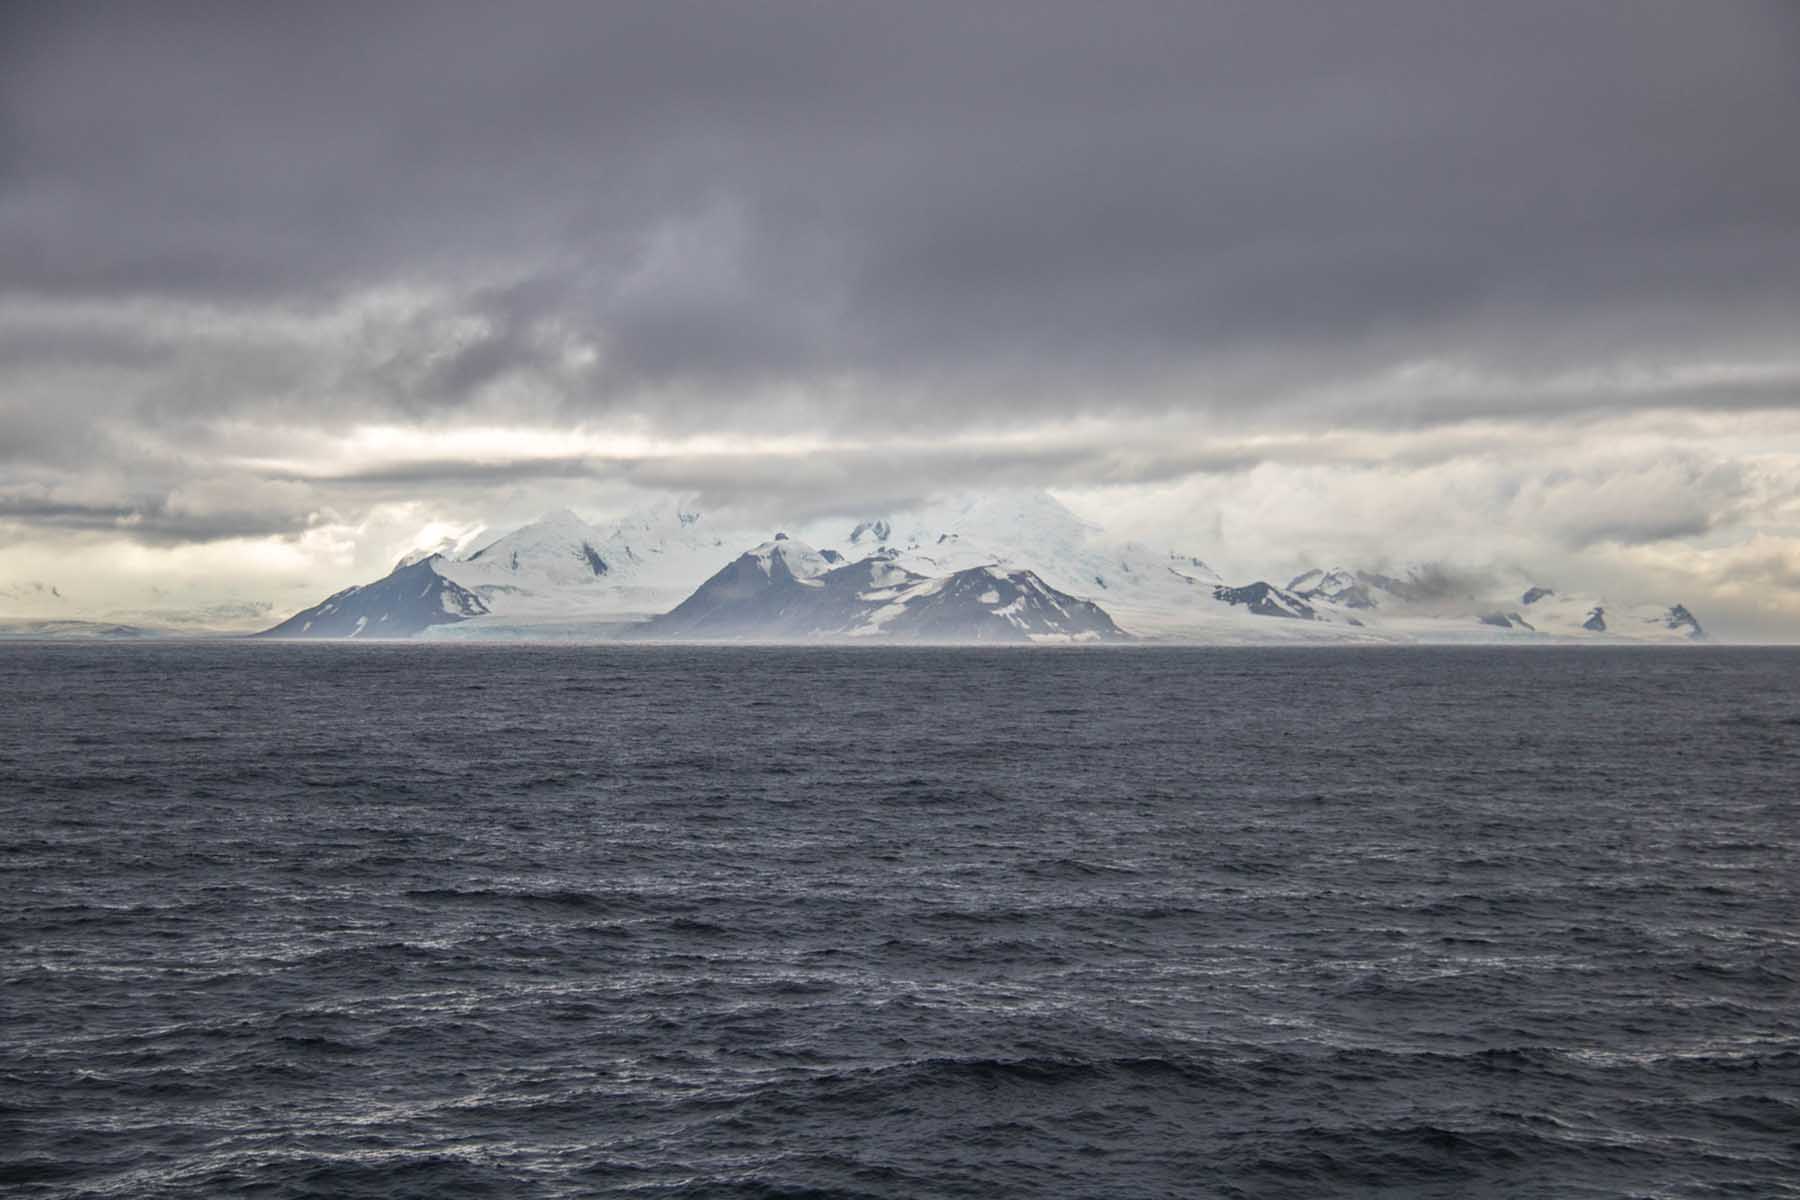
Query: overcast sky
x,y
284,289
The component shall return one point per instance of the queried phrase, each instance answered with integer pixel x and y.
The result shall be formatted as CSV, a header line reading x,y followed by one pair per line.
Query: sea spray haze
x,y
456,921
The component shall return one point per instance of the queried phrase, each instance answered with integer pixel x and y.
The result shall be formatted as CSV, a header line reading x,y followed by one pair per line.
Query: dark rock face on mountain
x,y
410,599
1680,618
769,587
1266,600
992,604
786,591
877,531
1341,587
1434,593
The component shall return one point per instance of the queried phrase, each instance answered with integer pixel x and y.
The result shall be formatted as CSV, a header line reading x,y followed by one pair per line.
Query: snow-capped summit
x,y
564,576
417,556
557,548
404,603
1414,584
1266,600
1316,579
874,532
745,593
445,548
784,556
1338,585
971,529
670,544
1146,589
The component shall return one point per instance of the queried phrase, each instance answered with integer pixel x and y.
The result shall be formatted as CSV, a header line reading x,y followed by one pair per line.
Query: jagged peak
x,y
1679,617
798,559
1319,579
1265,599
413,558
877,530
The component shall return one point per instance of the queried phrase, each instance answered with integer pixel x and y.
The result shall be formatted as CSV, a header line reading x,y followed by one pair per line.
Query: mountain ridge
x,y
561,575
784,590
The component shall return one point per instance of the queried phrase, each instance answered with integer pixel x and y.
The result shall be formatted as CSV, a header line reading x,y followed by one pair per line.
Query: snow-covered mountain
x,y
558,548
1344,588
1169,592
1265,600
1146,589
784,590
403,603
1426,603
1543,610
561,576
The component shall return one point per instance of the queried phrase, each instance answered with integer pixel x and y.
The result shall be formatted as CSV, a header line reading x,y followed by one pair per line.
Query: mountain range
x,y
785,590
1000,566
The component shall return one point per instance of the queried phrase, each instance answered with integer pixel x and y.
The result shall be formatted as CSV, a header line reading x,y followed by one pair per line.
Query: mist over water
x,y
399,920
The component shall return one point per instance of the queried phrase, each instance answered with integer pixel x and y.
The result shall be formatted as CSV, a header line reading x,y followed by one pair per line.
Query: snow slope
x,y
562,575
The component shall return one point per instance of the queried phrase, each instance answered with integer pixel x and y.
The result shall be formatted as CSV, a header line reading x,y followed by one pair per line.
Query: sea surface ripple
x,y
465,921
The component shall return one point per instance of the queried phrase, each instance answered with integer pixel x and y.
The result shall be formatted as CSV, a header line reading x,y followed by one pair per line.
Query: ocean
x,y
552,921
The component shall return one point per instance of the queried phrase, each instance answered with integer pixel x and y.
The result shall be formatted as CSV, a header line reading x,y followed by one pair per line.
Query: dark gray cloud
x,y
1042,206
153,520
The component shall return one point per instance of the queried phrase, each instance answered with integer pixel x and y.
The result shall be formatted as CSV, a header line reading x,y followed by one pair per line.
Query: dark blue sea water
x,y
398,921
